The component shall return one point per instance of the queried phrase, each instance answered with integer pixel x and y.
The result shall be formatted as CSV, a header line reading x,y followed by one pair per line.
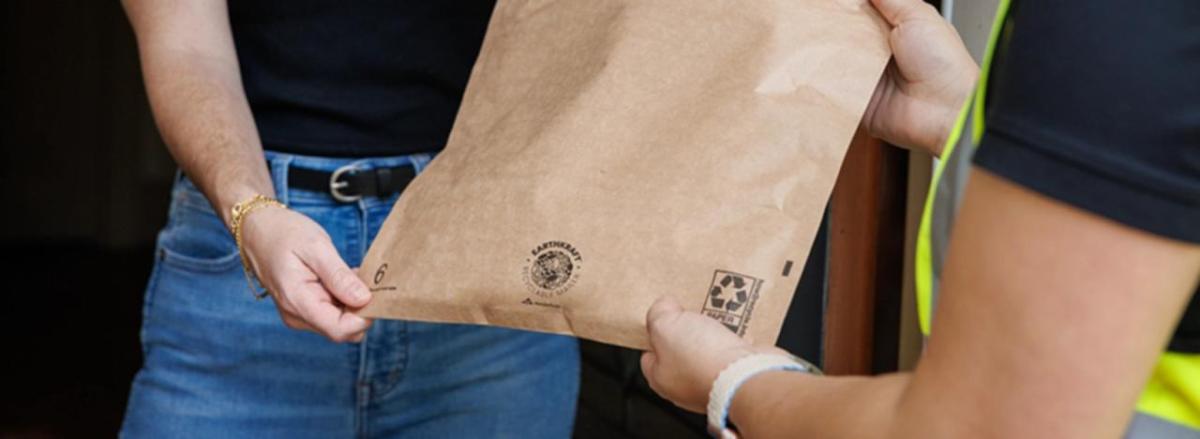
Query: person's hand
x,y
924,86
312,287
687,352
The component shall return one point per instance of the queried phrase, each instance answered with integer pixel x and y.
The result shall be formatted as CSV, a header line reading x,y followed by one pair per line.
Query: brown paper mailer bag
x,y
608,152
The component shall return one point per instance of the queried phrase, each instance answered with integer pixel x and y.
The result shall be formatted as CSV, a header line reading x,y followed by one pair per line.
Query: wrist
x,y
239,213
753,402
949,119
233,195
737,381
954,108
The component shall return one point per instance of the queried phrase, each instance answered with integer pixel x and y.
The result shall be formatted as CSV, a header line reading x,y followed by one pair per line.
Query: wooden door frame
x,y
866,259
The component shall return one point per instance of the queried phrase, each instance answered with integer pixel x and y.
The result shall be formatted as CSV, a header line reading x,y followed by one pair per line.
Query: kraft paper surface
x,y
609,152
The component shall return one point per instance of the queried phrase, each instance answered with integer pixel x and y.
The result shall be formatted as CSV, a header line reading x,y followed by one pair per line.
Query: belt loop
x,y
278,164
419,161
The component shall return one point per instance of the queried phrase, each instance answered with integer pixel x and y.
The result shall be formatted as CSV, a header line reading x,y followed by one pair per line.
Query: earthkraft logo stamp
x,y
552,268
731,299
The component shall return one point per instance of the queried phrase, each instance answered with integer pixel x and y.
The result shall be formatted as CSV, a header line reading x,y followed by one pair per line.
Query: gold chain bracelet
x,y
239,213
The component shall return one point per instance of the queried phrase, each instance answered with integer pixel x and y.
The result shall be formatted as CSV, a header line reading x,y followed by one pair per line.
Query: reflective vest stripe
x,y
934,231
932,238
1169,406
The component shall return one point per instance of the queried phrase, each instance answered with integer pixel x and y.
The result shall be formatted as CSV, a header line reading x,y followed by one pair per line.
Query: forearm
x,y
791,404
207,126
195,90
1032,286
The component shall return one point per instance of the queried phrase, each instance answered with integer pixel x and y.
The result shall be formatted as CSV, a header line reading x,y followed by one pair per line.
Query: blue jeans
x,y
219,364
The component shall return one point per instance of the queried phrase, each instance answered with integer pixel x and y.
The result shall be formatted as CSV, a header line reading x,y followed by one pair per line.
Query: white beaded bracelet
x,y
732,377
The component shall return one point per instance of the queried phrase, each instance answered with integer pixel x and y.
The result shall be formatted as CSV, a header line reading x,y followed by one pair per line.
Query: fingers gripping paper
x,y
608,152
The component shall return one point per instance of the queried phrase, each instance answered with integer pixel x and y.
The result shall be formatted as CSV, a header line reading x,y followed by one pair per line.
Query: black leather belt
x,y
348,184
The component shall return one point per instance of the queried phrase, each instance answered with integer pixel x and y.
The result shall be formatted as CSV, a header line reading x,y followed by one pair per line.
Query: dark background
x,y
84,184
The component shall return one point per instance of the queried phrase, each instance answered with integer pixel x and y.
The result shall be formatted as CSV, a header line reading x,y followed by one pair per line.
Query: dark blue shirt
x,y
1097,104
356,78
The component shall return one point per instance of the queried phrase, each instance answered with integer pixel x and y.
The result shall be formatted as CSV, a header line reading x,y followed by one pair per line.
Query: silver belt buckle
x,y
336,186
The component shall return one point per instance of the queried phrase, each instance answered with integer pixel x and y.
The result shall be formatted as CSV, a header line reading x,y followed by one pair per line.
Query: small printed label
x,y
731,299
530,301
552,268
380,274
382,271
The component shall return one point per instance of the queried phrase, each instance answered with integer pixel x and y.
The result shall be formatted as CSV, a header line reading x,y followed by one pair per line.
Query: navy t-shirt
x,y
356,78
1097,105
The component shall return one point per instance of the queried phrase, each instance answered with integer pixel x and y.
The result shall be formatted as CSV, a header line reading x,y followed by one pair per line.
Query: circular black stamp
x,y
552,268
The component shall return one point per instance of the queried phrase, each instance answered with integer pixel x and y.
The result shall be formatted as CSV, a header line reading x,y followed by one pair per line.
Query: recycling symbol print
x,y
730,293
731,299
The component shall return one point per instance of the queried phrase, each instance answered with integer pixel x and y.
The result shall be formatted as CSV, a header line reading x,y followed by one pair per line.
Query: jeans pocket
x,y
195,238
